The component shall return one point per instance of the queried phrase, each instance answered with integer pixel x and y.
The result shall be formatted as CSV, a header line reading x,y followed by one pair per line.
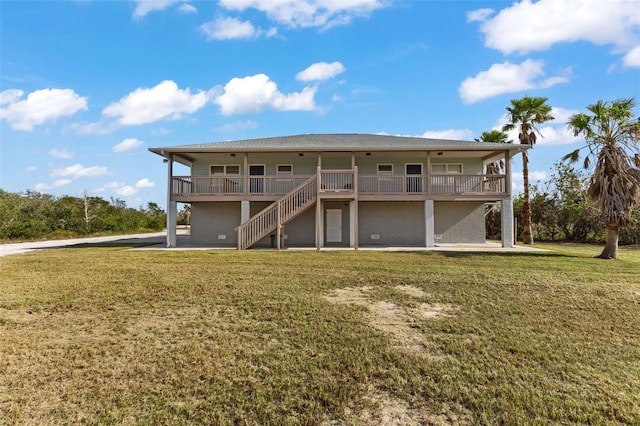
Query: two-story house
x,y
346,190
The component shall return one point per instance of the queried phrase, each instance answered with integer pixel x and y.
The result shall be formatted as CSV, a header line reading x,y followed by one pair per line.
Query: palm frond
x,y
572,157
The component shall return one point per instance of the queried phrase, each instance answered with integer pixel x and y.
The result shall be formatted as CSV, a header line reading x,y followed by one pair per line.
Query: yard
x,y
113,336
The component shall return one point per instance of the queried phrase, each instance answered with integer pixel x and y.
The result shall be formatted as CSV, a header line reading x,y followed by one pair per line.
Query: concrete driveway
x,y
18,248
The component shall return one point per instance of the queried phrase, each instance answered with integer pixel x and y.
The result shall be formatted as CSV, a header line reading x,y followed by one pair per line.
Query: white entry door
x,y
334,225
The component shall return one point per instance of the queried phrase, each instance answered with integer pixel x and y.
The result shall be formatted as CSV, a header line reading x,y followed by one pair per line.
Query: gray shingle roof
x,y
336,142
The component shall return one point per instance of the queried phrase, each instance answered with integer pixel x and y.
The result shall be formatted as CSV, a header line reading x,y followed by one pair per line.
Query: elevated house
x,y
333,190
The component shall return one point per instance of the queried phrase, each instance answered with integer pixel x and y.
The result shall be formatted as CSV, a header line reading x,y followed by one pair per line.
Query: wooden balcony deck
x,y
341,184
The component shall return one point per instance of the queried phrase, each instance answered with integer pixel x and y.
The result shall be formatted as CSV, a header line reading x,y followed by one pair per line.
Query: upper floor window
x,y
446,168
385,169
225,169
284,170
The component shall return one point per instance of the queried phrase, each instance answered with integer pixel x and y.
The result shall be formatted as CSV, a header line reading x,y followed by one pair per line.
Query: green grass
x,y
104,335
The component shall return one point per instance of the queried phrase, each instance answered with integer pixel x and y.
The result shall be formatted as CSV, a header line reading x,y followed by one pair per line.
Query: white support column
x,y
172,207
506,212
429,223
353,224
244,211
318,223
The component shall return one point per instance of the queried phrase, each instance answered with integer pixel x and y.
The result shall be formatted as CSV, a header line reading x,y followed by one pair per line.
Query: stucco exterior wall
x,y
391,224
459,222
213,223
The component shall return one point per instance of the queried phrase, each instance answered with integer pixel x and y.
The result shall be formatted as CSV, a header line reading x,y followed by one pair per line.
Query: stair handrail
x,y
273,214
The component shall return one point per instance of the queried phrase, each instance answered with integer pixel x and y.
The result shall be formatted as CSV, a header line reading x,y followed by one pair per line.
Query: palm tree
x,y
524,114
613,140
495,136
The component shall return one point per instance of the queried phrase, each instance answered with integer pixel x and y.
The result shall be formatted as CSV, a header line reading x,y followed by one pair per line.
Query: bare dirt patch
x,y
411,291
398,323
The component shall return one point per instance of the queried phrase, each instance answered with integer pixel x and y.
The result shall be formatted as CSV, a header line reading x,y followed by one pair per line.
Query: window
x,y
225,185
284,170
446,169
385,169
228,169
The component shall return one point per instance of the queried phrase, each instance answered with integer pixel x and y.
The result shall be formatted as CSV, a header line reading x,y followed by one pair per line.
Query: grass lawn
x,y
112,336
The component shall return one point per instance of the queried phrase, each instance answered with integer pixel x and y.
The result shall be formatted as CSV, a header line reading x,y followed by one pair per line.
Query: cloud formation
x,y
128,190
144,7
127,145
527,26
451,134
507,78
164,101
61,153
78,170
308,13
39,106
258,93
321,71
228,28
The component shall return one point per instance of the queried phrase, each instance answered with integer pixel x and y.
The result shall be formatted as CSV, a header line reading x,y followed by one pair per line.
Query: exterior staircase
x,y
279,213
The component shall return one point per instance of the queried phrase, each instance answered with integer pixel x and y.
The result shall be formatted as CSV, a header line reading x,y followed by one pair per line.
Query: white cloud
x,y
535,177
527,26
143,7
31,169
187,8
632,58
320,71
39,107
561,115
128,190
127,145
228,29
61,153
237,126
507,78
165,100
145,183
46,186
9,96
257,93
78,170
161,131
308,13
125,190
451,134
479,15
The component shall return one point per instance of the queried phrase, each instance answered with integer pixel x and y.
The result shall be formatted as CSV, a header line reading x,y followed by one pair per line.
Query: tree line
x,y
562,210
34,215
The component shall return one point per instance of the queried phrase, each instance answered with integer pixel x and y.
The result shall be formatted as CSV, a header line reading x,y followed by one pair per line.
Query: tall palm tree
x,y
524,114
613,140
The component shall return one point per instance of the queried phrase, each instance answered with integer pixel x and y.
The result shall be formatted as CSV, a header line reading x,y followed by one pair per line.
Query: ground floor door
x,y
334,225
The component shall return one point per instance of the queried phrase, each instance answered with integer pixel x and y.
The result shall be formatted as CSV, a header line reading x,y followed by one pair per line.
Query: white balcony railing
x,y
341,181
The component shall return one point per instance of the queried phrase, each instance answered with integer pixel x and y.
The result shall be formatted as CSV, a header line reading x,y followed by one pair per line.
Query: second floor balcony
x,y
341,184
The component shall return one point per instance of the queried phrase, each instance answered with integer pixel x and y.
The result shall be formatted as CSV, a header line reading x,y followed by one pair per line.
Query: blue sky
x,y
87,86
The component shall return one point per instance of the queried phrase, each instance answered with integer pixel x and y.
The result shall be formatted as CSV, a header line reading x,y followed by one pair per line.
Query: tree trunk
x,y
527,235
610,250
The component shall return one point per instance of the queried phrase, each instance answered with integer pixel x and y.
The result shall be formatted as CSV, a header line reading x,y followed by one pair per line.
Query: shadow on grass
x,y
468,254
